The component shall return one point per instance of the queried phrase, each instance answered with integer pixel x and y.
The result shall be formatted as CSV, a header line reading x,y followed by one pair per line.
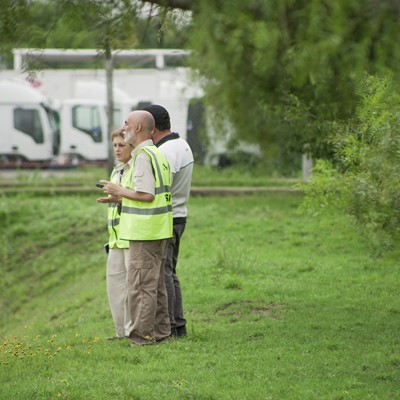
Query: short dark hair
x,y
160,115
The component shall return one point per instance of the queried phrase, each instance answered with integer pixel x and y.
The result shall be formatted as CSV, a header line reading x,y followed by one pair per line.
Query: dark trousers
x,y
175,306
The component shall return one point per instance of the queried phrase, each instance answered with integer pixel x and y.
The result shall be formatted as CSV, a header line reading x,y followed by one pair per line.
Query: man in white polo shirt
x,y
180,158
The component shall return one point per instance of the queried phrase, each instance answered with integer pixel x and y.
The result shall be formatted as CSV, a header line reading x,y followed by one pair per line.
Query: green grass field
x,y
279,306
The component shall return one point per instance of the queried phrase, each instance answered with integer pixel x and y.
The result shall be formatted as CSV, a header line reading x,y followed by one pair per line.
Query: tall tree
x,y
280,72
106,25
283,71
113,19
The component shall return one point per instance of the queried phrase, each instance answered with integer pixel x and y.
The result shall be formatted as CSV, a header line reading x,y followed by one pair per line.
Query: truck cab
x,y
28,129
84,123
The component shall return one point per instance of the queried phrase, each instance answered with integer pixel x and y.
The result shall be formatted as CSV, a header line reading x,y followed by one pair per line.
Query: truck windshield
x,y
86,118
27,120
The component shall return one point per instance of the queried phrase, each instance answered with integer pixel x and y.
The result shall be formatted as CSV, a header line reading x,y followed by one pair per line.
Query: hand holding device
x,y
101,183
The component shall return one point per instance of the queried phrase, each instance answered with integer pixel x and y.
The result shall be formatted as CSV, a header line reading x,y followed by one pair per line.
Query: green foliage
x,y
12,26
11,18
86,24
365,179
112,20
283,73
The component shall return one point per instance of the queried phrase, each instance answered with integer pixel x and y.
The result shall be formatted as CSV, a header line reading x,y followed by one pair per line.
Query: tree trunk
x,y
110,105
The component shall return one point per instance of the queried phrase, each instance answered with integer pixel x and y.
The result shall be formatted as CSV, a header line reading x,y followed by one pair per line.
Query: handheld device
x,y
100,185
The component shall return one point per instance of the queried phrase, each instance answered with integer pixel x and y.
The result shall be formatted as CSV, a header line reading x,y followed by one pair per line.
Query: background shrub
x,y
363,181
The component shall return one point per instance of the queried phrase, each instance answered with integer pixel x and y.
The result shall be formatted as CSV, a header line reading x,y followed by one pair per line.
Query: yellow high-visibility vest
x,y
113,216
149,221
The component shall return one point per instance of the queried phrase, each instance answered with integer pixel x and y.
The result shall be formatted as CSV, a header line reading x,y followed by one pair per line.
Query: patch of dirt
x,y
244,307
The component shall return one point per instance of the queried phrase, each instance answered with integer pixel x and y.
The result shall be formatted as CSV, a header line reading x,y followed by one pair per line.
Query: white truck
x,y
28,128
83,120
80,96
36,127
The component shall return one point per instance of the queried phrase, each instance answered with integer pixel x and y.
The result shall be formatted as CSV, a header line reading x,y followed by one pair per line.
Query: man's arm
x,y
118,191
143,182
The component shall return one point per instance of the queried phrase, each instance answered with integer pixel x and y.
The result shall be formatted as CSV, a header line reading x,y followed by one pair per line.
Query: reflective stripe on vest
x,y
150,221
113,219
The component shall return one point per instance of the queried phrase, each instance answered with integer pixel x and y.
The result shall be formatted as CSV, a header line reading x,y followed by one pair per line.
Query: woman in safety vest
x,y
118,249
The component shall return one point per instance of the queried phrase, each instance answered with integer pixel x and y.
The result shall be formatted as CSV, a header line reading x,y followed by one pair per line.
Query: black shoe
x,y
179,331
182,331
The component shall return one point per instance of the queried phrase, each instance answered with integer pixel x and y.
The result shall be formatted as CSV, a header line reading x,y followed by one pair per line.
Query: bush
x,y
364,179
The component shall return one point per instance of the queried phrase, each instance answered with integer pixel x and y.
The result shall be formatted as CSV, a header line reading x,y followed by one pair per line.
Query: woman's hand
x,y
108,199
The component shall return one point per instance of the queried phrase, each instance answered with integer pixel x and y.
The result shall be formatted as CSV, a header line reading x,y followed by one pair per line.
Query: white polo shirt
x,y
180,157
